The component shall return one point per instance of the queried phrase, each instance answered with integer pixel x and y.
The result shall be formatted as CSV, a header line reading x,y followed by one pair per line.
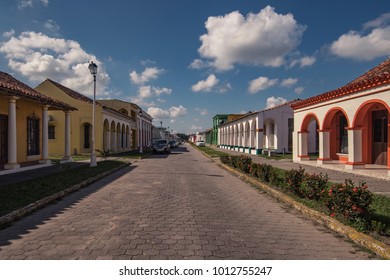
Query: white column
x,y
324,143
302,145
12,135
45,135
355,155
67,136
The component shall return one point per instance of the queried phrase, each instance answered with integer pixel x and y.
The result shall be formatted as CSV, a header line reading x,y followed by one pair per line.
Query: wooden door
x,y
379,137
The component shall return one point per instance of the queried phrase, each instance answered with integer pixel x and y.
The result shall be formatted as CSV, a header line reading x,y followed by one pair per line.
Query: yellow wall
x,y
24,108
78,118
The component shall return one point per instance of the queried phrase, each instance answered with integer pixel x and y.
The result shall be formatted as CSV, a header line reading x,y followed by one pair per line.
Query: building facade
x,y
217,120
353,122
112,131
142,130
24,124
269,129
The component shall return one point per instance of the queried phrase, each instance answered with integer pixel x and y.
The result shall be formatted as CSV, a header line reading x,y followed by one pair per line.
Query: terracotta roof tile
x,y
72,93
17,88
378,76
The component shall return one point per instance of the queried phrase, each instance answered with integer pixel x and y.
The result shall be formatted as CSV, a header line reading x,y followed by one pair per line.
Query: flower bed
x,y
347,202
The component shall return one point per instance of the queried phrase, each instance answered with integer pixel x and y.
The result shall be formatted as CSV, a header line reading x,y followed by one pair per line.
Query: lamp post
x,y
140,132
93,69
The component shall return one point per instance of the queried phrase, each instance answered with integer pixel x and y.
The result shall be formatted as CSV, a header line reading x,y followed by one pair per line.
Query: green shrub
x,y
314,186
349,200
277,177
225,159
244,163
294,179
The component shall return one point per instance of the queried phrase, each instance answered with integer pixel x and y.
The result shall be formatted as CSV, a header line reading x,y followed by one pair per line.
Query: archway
x,y
336,124
372,117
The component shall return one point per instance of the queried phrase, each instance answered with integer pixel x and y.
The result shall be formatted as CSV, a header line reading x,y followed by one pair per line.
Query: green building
x,y
217,120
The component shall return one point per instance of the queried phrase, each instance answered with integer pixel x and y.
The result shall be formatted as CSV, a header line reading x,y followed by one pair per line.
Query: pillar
x,y
302,146
45,135
355,155
324,143
67,155
12,135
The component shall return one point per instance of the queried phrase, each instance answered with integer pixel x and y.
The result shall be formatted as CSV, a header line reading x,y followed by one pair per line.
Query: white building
x,y
269,129
353,122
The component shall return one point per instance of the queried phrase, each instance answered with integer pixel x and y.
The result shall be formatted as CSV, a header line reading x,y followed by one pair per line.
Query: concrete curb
x,y
362,239
17,214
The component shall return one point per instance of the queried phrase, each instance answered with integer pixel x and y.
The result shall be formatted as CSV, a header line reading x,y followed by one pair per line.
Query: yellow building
x,y
112,131
142,132
24,117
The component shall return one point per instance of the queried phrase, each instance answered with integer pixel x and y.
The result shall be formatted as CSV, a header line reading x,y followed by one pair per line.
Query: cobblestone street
x,y
177,206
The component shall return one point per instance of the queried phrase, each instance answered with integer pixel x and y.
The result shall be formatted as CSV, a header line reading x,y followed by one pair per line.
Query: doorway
x,y
379,137
3,138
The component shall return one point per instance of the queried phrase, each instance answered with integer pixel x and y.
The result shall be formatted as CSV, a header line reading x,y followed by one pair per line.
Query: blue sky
x,y
184,61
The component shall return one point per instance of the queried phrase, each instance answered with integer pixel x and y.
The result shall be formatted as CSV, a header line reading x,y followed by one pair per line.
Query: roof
x,y
17,88
264,110
72,93
378,76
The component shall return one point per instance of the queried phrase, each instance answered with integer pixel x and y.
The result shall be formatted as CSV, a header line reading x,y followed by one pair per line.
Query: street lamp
x,y
93,69
140,132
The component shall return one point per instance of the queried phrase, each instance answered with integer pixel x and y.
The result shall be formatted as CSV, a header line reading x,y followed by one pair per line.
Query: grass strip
x,y
18,195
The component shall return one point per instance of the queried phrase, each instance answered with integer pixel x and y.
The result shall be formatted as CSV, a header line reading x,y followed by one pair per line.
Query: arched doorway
x,y
308,140
336,124
372,117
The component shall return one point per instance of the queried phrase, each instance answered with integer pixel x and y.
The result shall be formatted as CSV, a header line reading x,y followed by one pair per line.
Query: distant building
x,y
353,122
218,120
141,131
269,129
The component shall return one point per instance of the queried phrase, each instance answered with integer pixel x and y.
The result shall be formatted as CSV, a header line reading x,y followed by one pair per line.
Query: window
x,y
33,135
52,132
87,143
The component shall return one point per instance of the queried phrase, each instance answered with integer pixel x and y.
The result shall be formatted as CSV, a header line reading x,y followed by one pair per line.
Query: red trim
x,y
378,76
303,156
354,163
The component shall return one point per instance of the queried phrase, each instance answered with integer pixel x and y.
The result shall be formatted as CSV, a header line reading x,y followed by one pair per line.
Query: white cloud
x,y
382,20
52,26
299,90
196,128
198,64
38,56
158,113
173,112
206,85
289,82
22,4
275,101
145,93
369,44
202,112
8,34
261,83
257,39
303,61
150,73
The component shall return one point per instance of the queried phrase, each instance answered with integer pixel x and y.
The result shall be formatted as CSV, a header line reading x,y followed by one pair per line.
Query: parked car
x,y
161,146
173,144
200,143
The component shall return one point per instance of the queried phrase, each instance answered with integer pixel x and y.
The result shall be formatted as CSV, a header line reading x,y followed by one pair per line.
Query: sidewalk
x,y
44,171
375,178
